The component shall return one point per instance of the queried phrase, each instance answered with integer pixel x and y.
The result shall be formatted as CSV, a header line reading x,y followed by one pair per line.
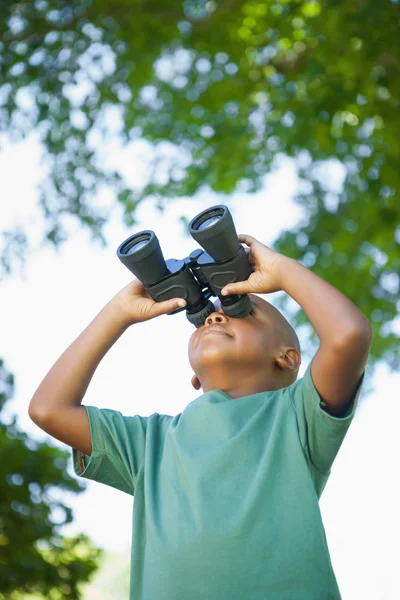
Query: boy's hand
x,y
267,264
137,305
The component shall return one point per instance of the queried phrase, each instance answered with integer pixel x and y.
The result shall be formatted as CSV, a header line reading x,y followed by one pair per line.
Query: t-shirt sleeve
x,y
321,434
118,449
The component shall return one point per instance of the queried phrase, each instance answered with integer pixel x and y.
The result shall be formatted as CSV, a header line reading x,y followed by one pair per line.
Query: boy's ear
x,y
289,360
196,382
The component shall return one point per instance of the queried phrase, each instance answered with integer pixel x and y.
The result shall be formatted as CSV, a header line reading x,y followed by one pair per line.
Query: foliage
x,y
231,85
34,558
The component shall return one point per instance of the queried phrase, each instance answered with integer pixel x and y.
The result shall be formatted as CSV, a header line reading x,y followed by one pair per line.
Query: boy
x,y
226,493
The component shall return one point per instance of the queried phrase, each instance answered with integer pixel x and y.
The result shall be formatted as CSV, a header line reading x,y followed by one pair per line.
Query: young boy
x,y
226,493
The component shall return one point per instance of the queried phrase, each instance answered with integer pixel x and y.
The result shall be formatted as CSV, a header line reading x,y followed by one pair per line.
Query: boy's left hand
x,y
267,275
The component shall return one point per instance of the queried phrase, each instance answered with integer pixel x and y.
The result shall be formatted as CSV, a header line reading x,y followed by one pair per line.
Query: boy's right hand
x,y
137,304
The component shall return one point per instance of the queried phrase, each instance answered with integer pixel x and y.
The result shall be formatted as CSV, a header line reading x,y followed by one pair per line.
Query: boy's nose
x,y
216,317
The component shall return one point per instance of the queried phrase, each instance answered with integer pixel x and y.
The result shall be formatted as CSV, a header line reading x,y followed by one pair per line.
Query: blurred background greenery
x,y
220,90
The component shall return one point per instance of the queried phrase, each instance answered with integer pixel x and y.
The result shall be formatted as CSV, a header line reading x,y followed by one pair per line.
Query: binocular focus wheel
x,y
199,318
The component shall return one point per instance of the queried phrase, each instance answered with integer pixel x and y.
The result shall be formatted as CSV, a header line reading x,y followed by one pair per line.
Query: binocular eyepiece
x,y
204,273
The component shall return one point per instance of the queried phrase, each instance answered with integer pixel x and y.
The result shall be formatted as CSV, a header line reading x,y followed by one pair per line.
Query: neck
x,y
240,384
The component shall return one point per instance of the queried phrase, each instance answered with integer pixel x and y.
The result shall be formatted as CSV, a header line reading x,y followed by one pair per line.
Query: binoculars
x,y
204,273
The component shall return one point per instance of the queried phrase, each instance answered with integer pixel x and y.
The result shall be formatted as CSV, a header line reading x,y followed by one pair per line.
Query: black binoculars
x,y
204,273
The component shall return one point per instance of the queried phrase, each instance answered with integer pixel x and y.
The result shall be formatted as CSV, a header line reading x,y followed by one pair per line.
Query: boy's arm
x,y
56,405
345,333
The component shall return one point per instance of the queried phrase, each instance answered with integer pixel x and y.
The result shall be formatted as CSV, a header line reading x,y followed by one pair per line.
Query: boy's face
x,y
242,346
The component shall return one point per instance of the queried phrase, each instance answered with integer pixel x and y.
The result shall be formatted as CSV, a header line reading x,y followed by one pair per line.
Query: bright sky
x,y
148,370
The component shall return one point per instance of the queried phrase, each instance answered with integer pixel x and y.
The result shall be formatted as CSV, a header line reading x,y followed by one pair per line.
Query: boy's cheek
x,y
194,338
191,352
190,344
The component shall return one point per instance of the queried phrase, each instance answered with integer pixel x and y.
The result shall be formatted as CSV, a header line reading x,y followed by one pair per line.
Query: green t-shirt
x,y
226,494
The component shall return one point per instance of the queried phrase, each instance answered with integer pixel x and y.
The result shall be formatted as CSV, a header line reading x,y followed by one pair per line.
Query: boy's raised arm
x,y
56,405
345,333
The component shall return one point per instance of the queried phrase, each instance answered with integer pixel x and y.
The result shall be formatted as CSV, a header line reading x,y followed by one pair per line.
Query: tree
x,y
229,85
34,558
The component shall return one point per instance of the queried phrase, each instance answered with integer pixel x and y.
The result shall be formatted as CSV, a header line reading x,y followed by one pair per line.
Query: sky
x,y
148,371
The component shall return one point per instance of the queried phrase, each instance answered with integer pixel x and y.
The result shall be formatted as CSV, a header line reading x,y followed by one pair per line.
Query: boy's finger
x,y
240,287
161,308
246,239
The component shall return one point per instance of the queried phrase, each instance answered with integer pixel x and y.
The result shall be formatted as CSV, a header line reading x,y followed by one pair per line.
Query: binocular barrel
x,y
213,229
201,275
142,255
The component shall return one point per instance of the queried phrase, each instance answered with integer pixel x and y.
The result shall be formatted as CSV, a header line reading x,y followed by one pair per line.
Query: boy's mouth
x,y
215,329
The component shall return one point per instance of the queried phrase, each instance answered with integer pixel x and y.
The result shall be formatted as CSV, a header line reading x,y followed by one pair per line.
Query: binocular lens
x,y
135,247
208,223
207,218
135,243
